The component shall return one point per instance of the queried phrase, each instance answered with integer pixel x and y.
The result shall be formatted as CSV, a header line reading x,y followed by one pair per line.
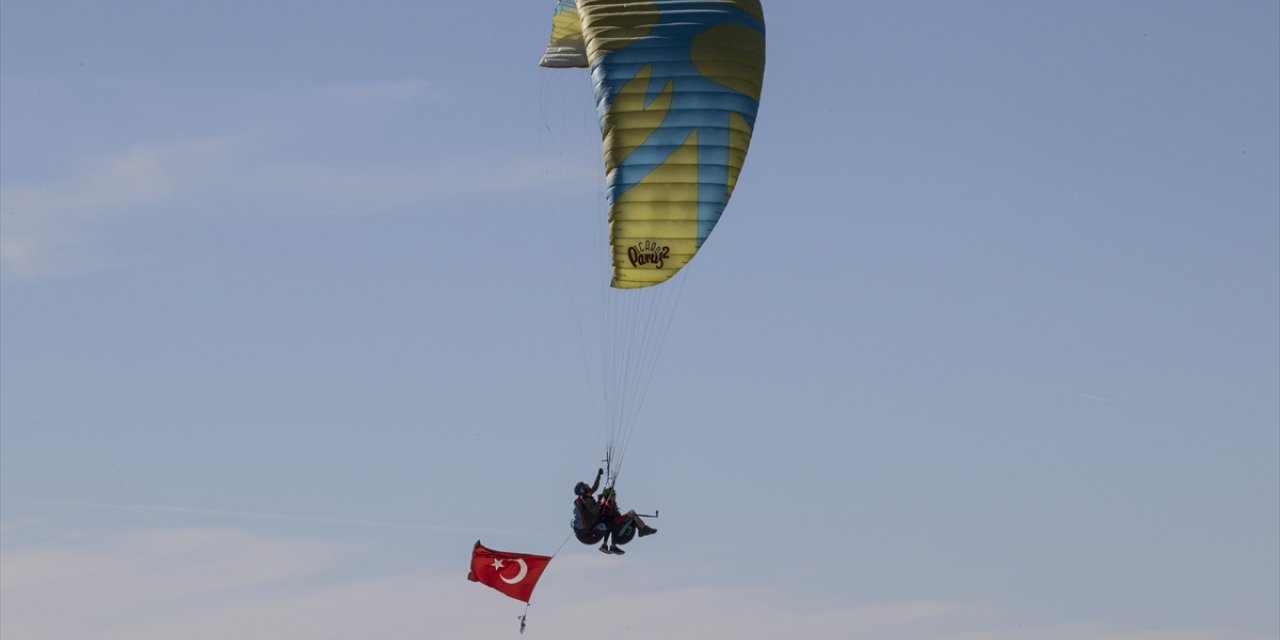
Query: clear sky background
x,y
986,346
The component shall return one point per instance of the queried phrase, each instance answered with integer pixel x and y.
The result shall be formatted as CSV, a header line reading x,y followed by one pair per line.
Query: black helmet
x,y
582,488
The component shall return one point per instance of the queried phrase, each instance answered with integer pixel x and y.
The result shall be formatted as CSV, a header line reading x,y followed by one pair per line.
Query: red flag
x,y
514,574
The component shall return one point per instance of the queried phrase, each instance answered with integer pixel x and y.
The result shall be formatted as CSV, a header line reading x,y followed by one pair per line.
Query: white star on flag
x,y
497,564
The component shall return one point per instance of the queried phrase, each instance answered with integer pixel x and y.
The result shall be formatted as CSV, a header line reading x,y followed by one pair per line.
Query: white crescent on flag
x,y
524,570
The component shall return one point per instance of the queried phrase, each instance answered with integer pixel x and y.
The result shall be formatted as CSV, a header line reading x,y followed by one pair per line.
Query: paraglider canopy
x,y
677,86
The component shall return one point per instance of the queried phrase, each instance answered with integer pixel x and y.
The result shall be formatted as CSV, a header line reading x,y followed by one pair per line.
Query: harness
x,y
582,518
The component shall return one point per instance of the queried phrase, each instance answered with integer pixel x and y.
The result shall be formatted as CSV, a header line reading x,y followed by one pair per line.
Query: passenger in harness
x,y
620,524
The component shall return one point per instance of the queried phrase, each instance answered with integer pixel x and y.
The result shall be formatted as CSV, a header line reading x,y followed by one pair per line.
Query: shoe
x,y
616,551
647,531
604,548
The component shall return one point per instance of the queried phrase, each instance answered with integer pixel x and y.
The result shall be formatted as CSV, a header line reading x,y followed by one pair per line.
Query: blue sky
x,y
987,344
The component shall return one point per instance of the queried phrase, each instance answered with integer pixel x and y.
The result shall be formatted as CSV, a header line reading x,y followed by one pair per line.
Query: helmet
x,y
582,488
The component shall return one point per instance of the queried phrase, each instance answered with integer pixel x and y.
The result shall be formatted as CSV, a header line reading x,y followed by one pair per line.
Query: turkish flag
x,y
514,574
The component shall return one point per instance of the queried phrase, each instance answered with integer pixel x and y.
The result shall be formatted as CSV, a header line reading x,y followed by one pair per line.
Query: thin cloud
x,y
257,515
1089,396
43,227
53,228
393,91
1132,399
213,584
341,189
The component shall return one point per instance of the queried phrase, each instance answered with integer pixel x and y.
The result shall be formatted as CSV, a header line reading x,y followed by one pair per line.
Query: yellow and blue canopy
x,y
677,86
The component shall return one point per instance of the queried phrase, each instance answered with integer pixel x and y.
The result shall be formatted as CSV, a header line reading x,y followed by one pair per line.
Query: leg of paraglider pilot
x,y
604,544
612,539
643,528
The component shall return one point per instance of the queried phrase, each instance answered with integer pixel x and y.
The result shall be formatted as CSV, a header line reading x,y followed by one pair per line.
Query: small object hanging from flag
x,y
514,574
